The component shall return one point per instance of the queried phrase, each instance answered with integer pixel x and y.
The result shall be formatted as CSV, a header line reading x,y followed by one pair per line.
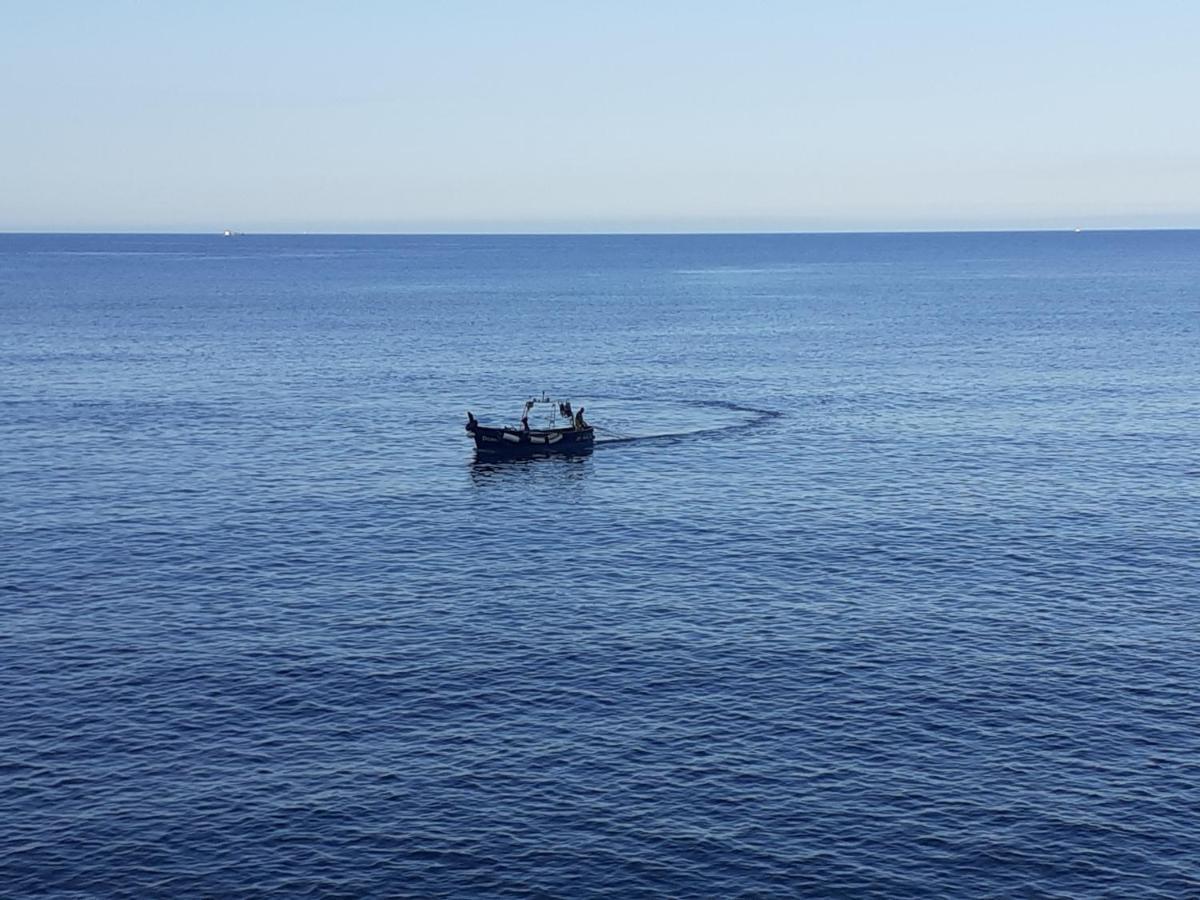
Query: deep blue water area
x,y
895,593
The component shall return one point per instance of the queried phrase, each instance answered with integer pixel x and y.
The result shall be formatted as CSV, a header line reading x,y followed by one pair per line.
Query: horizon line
x,y
618,233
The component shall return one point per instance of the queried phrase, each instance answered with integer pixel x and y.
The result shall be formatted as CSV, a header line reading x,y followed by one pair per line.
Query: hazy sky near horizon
x,y
598,116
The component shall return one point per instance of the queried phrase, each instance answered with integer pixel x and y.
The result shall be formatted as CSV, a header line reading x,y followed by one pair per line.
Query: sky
x,y
602,116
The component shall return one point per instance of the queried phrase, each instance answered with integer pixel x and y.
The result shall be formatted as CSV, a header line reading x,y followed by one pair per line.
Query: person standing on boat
x,y
579,423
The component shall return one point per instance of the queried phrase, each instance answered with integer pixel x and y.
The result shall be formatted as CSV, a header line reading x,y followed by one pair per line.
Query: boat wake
x,y
748,418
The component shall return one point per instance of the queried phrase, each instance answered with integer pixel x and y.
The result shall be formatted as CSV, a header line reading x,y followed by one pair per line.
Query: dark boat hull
x,y
535,442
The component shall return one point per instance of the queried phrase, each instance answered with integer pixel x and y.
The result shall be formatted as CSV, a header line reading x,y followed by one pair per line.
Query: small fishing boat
x,y
564,431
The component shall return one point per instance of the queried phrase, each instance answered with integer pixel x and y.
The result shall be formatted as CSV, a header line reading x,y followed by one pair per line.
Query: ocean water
x,y
894,593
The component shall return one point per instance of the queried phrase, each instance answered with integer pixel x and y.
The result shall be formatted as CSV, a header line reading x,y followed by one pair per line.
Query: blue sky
x,y
598,116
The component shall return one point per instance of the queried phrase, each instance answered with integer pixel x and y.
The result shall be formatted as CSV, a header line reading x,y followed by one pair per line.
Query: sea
x,y
882,580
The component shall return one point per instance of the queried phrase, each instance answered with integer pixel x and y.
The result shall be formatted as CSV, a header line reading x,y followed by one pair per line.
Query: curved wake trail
x,y
758,418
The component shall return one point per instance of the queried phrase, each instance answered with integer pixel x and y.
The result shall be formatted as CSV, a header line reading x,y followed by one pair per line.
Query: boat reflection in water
x,y
550,471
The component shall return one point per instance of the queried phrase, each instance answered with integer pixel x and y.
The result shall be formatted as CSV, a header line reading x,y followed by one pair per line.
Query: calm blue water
x,y
898,595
